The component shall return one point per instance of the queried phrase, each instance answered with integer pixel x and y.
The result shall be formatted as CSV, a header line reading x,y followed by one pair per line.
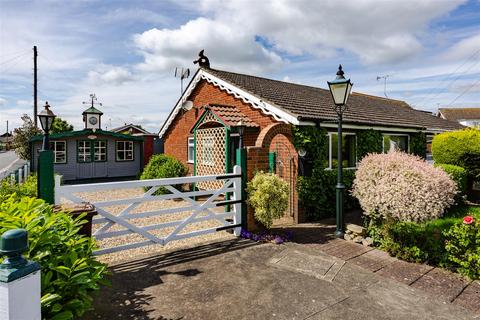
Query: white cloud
x,y
110,74
3,101
224,43
375,31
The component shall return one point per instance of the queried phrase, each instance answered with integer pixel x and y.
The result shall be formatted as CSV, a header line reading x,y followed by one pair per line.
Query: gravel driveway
x,y
109,195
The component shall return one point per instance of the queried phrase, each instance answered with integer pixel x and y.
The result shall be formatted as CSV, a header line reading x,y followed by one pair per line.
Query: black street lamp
x,y
46,118
340,89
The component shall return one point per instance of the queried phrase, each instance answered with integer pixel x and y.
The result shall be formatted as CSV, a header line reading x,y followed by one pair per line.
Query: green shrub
x,y
368,141
314,141
418,144
460,148
163,166
317,193
458,174
27,189
268,195
463,247
69,271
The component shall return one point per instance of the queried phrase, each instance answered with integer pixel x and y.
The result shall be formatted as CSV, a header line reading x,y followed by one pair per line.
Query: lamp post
x,y
45,186
46,117
241,131
340,89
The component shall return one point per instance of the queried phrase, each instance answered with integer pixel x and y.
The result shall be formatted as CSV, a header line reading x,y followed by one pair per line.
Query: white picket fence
x,y
200,210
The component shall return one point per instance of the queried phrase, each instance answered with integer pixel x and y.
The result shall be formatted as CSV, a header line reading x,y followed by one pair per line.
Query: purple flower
x,y
278,240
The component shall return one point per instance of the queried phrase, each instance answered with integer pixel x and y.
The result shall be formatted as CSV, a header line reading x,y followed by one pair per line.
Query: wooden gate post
x,y
242,162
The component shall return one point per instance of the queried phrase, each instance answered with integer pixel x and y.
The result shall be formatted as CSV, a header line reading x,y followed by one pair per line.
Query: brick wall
x,y
175,137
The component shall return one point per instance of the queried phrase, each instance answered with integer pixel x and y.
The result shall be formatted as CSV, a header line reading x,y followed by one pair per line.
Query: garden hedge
x,y
460,148
458,174
163,166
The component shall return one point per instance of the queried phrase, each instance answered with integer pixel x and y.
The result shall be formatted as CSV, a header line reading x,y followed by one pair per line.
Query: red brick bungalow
x,y
201,130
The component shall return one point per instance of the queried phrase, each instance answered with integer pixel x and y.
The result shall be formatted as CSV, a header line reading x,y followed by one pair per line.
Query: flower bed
x,y
452,242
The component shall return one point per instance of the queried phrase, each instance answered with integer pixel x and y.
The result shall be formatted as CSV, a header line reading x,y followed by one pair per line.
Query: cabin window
x,y
84,151
100,150
208,145
124,150
395,142
191,149
59,151
349,150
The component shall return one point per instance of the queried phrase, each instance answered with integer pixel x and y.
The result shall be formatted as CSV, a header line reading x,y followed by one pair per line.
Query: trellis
x,y
211,149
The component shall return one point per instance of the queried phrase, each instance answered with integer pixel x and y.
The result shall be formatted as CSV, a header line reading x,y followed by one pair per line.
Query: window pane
x,y
83,151
348,151
391,143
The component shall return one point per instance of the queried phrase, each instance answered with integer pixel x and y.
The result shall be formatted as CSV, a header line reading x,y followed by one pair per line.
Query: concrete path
x,y
239,279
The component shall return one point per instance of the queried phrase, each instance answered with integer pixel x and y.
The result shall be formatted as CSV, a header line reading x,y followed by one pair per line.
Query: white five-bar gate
x,y
110,225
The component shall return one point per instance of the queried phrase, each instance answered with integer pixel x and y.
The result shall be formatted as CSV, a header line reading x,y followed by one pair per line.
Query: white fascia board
x,y
267,108
379,128
245,96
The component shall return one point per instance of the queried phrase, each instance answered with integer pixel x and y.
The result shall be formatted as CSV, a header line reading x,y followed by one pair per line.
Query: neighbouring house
x,y
6,141
202,128
138,131
92,153
469,117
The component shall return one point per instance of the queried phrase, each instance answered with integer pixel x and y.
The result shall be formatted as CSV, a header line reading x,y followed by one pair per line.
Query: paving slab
x,y
470,297
404,272
443,284
344,250
241,283
373,260
378,301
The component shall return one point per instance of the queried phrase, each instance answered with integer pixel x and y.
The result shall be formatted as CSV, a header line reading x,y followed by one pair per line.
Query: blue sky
x,y
126,51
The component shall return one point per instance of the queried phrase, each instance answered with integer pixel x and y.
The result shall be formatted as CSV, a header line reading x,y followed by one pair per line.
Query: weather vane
x,y
93,100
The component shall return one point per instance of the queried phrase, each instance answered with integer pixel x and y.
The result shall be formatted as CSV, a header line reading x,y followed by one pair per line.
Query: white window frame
x,y
204,146
124,150
102,150
396,135
57,153
82,154
190,144
330,150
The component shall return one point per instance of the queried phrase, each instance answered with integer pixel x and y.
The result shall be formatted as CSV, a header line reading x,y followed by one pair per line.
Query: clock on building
x,y
92,118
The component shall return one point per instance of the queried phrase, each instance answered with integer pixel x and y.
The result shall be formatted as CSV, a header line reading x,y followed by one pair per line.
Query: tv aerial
x,y
384,77
182,73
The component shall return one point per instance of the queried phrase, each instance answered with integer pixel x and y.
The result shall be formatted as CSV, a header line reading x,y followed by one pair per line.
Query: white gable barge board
x,y
256,102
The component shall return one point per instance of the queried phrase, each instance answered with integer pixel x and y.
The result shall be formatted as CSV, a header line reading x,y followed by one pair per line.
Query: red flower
x,y
468,220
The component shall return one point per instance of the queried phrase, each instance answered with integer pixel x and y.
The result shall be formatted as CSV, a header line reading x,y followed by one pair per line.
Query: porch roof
x,y
229,116
87,132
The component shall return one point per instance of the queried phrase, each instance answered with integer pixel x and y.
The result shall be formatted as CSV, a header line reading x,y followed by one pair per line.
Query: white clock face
x,y
92,120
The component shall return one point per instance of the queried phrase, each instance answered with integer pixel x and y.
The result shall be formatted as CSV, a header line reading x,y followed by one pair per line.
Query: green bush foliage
x,y
314,140
317,193
444,242
368,141
463,247
458,174
26,189
268,195
418,144
69,271
163,166
460,148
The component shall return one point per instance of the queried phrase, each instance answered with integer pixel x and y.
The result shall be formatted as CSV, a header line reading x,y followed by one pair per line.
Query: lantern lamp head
x,y
340,88
46,118
241,127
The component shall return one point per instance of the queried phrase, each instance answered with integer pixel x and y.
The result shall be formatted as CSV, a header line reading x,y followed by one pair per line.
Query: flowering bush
x,y
402,187
267,237
268,195
463,247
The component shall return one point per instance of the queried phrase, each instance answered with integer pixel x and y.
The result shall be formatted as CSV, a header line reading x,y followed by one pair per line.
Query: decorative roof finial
x,y
202,61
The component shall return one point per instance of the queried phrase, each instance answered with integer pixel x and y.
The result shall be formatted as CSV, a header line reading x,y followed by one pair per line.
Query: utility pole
x,y
35,54
7,137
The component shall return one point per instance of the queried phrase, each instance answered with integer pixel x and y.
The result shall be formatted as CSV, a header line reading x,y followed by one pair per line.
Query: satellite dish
x,y
187,105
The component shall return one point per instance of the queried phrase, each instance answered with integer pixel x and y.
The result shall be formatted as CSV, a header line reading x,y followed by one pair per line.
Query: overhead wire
x,y
13,59
464,92
467,60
